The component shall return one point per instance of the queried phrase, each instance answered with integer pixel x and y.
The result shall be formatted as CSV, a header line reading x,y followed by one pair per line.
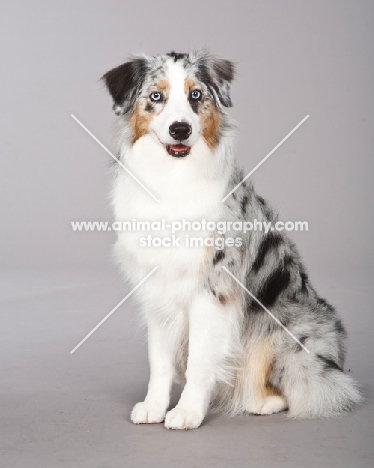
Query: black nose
x,y
180,130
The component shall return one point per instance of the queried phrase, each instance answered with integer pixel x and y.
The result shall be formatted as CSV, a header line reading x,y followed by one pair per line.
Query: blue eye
x,y
196,95
155,96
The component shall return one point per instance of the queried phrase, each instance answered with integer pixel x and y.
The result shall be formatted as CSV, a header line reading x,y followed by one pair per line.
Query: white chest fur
x,y
189,189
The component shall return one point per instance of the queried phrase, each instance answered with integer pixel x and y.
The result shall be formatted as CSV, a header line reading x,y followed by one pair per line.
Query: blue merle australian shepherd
x,y
204,330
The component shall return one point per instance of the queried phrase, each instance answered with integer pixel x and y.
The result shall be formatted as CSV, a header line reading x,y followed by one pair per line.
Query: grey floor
x,y
62,410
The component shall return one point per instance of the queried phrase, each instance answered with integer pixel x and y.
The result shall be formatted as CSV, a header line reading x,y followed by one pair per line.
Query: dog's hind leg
x,y
257,394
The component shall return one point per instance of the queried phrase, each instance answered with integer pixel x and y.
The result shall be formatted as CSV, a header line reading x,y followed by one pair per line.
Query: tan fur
x,y
139,122
222,299
163,85
209,120
230,296
255,372
140,119
188,84
208,252
209,116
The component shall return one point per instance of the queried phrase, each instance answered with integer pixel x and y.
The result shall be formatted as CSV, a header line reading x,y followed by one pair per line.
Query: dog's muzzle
x,y
179,131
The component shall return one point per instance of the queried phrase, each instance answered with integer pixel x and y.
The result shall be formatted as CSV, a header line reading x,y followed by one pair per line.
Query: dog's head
x,y
176,98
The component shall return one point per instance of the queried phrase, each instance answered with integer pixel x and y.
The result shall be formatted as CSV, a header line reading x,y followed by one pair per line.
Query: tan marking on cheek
x,y
188,84
139,122
210,120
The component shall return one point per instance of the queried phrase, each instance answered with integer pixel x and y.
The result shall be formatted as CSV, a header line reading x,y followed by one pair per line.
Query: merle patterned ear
x,y
216,74
124,84
223,74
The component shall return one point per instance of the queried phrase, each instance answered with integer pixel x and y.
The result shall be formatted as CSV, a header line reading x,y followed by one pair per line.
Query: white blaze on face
x,y
177,108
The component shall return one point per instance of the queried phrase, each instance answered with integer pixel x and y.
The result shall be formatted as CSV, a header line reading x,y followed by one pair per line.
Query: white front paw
x,y
145,412
179,418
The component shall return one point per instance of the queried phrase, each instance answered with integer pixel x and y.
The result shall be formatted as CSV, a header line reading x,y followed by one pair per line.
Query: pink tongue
x,y
178,147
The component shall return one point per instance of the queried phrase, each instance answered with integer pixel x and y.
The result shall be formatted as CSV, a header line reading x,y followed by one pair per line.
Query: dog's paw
x,y
179,418
270,404
146,413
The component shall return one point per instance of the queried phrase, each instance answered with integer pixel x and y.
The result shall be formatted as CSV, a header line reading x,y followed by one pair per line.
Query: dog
x,y
175,136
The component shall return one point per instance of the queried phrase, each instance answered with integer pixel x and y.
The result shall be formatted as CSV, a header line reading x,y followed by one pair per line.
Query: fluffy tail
x,y
324,391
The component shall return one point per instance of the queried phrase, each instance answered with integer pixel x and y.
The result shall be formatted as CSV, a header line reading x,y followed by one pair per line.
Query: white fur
x,y
173,305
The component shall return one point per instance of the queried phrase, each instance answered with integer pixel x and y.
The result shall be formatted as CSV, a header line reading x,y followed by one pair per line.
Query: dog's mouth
x,y
178,151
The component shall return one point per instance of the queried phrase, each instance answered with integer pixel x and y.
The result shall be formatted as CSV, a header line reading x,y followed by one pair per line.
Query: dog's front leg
x,y
161,350
210,342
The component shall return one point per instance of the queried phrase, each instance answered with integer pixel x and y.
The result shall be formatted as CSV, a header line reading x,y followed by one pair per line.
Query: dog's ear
x,y
216,74
124,84
223,72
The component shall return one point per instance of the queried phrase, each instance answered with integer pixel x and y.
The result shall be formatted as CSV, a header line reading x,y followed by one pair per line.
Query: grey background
x,y
293,58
